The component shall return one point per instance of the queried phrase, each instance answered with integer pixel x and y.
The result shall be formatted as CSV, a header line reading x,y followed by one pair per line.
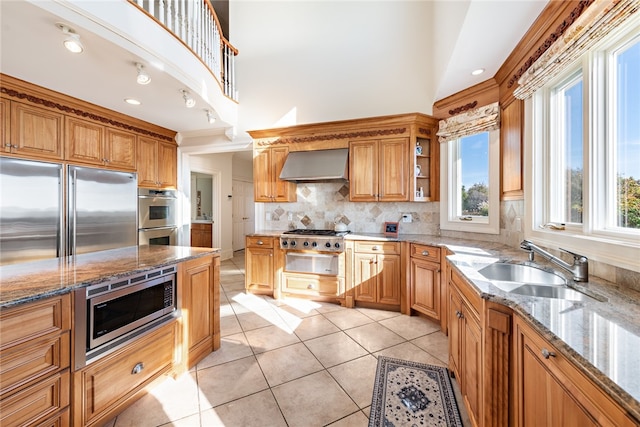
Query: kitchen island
x,y
47,319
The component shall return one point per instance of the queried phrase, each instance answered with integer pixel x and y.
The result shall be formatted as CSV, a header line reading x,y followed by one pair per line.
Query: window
x,y
584,151
470,200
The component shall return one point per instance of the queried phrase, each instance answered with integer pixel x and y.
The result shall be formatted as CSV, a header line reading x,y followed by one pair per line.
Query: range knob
x,y
314,244
285,243
337,245
293,243
327,245
305,244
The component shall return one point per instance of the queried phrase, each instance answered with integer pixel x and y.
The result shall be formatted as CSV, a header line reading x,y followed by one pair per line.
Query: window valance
x,y
474,121
594,23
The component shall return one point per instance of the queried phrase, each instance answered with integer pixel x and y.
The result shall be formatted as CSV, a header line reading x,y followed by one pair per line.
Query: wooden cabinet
x,y
376,272
108,385
34,362
511,147
201,235
35,132
465,344
157,164
268,187
551,391
379,170
259,264
426,163
5,125
425,280
200,302
91,143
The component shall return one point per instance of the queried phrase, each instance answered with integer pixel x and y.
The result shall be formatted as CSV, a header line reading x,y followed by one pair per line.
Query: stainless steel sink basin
x,y
520,273
551,292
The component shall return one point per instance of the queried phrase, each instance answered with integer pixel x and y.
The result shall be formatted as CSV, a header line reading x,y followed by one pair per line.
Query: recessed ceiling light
x,y
132,101
477,72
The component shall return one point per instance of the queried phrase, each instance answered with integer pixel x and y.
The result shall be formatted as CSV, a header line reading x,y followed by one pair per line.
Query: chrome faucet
x,y
579,268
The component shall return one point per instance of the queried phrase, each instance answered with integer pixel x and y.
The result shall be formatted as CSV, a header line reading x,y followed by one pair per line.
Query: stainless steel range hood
x,y
318,165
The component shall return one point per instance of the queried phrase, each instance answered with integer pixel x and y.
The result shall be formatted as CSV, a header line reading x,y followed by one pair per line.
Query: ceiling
x,y
476,34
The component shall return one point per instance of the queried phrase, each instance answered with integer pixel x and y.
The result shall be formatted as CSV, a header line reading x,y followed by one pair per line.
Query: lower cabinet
x,y
201,235
424,279
376,272
551,391
259,264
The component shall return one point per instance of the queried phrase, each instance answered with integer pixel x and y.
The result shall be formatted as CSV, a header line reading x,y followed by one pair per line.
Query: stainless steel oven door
x,y
158,236
302,262
157,209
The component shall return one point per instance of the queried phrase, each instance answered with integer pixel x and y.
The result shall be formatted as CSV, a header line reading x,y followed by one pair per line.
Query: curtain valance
x,y
478,120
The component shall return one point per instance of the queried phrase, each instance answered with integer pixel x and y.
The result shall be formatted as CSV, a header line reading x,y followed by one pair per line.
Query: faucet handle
x,y
576,257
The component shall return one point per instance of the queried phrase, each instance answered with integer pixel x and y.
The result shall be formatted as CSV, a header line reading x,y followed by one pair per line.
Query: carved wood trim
x,y
497,375
334,136
559,31
424,131
463,108
81,113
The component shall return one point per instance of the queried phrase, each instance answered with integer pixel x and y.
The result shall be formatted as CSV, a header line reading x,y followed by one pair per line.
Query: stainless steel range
x,y
314,262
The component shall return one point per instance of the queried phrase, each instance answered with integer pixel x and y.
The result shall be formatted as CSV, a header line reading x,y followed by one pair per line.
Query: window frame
x,y
449,219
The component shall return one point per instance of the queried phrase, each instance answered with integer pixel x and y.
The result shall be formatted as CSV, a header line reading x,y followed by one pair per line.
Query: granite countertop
x,y
601,337
20,283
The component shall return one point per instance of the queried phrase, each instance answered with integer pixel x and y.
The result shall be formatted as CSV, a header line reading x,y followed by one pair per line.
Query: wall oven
x,y
158,236
107,315
156,208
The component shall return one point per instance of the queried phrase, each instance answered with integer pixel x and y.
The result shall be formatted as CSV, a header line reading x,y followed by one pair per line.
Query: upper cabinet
x,y
5,124
379,170
35,132
157,164
268,187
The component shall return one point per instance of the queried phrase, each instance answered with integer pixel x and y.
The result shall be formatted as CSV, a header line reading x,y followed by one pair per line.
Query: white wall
x,y
355,60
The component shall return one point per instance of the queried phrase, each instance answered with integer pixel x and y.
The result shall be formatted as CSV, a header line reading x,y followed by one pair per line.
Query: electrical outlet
x,y
268,216
518,224
290,216
406,218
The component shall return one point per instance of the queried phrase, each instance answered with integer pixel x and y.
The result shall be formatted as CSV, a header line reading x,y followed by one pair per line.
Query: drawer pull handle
x,y
425,253
260,242
459,314
375,248
547,354
138,368
310,286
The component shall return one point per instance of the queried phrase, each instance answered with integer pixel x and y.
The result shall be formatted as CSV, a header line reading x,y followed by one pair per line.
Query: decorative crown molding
x,y
334,136
463,108
423,131
80,113
575,13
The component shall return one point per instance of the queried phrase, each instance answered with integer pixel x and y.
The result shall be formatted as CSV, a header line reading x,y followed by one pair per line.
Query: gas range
x,y
313,240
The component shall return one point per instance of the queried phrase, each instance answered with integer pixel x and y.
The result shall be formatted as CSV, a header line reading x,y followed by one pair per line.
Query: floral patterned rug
x,y
412,394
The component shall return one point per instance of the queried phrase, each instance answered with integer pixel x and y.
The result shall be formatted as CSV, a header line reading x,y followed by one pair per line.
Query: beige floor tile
x,y
270,338
192,421
410,327
335,348
314,400
315,326
169,401
232,347
302,307
288,363
357,378
378,315
357,419
256,410
260,319
328,307
374,337
436,344
230,381
408,351
347,318
229,325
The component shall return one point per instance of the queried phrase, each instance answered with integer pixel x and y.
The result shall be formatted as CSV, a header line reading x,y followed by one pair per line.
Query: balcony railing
x,y
196,24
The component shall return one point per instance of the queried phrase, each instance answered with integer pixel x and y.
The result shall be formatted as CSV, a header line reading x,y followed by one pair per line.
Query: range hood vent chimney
x,y
318,165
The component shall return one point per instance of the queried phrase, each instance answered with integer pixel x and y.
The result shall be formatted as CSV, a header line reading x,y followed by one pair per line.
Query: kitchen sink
x,y
543,291
521,273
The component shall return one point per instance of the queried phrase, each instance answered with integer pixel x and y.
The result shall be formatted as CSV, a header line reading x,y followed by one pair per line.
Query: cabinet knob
x,y
310,286
375,248
547,354
459,314
138,368
260,242
425,253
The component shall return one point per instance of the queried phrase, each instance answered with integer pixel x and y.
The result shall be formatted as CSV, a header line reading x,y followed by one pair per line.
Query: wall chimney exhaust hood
x,y
318,165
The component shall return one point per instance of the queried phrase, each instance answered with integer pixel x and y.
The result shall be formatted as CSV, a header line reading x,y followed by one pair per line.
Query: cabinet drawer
x,y
36,403
111,380
28,321
310,285
387,248
429,253
259,242
33,360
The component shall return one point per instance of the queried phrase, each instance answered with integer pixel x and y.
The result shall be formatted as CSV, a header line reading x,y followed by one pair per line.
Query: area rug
x,y
412,394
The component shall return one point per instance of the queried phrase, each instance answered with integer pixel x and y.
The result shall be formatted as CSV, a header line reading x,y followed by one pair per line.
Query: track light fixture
x,y
72,39
189,102
210,117
143,78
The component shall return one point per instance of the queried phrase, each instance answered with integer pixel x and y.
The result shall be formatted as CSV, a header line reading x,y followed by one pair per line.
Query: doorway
x,y
243,212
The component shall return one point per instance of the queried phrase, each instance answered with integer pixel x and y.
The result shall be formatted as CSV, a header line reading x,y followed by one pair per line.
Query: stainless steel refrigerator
x,y
37,221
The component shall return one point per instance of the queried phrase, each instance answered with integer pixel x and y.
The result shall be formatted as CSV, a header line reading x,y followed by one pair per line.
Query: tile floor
x,y
286,363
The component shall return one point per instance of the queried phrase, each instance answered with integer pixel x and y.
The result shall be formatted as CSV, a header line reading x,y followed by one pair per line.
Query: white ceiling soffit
x,y
478,34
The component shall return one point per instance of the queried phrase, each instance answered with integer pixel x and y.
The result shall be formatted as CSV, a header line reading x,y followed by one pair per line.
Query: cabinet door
x,y
365,277
36,132
259,269
282,191
147,162
167,165
425,287
262,176
388,267
120,149
5,125
393,167
455,333
197,284
363,171
84,141
471,366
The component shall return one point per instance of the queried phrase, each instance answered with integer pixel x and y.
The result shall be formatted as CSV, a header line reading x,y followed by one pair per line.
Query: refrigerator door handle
x,y
62,238
72,204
